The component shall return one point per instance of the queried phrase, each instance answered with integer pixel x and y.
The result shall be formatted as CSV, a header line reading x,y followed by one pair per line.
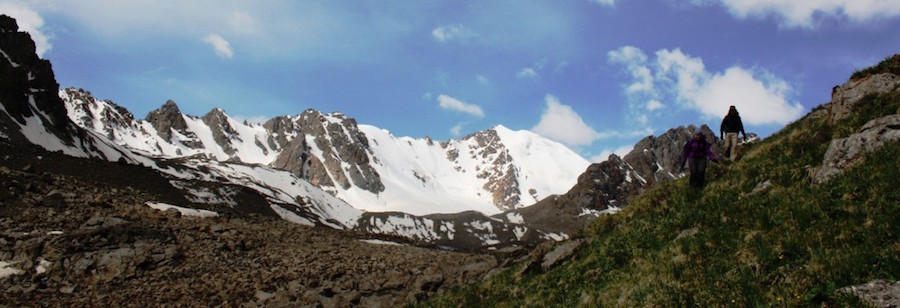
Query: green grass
x,y
891,64
791,245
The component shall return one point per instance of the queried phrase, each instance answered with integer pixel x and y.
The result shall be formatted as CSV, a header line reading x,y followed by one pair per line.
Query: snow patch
x,y
183,210
11,62
515,218
380,242
291,216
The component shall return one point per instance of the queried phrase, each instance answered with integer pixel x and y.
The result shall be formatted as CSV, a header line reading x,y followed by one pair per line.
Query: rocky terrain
x,y
73,240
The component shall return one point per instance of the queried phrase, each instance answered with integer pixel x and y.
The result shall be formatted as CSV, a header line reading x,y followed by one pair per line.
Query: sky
x,y
595,75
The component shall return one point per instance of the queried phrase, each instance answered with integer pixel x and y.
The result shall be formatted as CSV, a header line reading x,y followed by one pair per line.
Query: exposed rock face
x,y
846,96
878,293
340,142
501,174
602,186
84,106
657,158
846,152
222,131
167,118
28,83
609,185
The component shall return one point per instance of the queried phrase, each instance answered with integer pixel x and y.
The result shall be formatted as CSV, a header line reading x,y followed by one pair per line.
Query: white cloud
x,y
527,73
445,34
561,123
761,97
242,23
653,105
29,21
456,130
604,155
760,100
805,13
220,45
447,102
635,62
605,2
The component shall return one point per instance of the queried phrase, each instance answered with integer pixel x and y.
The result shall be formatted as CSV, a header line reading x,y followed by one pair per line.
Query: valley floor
x,y
72,239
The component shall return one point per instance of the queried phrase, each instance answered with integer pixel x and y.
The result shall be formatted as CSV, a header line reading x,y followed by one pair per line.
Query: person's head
x,y
732,110
698,137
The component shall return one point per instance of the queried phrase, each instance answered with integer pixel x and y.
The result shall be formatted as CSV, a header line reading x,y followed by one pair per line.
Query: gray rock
x,y
845,97
847,152
167,118
878,293
560,254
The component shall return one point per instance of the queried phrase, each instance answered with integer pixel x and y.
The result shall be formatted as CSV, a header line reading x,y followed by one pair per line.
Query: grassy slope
x,y
792,244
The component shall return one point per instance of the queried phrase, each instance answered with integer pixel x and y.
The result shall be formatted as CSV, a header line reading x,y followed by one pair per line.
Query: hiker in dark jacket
x,y
696,153
728,131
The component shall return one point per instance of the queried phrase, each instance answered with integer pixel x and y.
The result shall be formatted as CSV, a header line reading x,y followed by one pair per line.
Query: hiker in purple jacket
x,y
696,153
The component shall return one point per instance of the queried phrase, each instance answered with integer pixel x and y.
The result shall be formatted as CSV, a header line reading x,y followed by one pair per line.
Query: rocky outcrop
x,y
657,159
845,97
607,186
28,83
601,187
847,152
340,143
84,109
222,131
500,173
878,293
167,118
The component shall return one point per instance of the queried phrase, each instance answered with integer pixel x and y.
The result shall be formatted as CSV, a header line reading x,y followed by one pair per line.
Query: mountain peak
x,y
216,112
166,118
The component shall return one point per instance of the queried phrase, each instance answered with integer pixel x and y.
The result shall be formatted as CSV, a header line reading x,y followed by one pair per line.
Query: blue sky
x,y
596,75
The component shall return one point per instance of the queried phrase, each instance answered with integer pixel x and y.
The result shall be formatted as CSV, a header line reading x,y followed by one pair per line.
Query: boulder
x,y
845,97
847,152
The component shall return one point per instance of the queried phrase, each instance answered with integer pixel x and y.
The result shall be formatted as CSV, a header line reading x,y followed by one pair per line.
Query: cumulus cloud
x,y
635,62
604,155
448,33
29,21
805,13
761,97
561,123
527,73
450,103
220,45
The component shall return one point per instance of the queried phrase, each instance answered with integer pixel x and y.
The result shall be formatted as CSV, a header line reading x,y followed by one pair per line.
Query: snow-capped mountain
x,y
489,171
325,169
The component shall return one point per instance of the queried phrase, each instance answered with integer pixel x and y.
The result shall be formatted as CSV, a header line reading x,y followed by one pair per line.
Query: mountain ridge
x,y
331,139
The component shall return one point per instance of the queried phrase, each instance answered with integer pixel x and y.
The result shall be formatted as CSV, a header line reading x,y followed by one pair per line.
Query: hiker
x,y
728,131
696,153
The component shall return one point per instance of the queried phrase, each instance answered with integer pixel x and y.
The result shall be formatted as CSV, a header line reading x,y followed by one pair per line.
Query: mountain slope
x,y
765,231
489,171
208,162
